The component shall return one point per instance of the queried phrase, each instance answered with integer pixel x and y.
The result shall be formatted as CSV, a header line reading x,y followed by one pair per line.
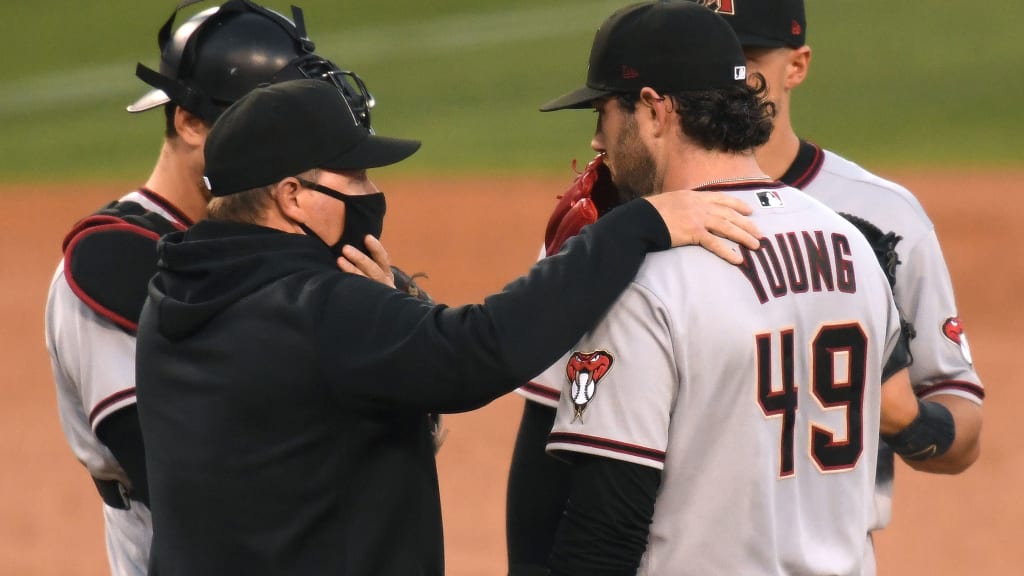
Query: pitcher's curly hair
x,y
733,119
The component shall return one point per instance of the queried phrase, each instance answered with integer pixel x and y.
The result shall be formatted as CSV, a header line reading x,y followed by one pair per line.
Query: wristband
x,y
929,435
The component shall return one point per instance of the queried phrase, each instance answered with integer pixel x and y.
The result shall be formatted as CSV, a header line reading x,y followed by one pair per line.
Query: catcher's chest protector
x,y
109,258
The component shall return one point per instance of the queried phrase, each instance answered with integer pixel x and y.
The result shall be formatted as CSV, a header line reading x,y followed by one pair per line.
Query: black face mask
x,y
364,214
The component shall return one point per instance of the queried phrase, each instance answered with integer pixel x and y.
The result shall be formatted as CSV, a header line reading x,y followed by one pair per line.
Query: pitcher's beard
x,y
633,169
638,181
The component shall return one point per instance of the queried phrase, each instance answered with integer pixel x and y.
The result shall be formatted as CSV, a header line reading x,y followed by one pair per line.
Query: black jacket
x,y
284,403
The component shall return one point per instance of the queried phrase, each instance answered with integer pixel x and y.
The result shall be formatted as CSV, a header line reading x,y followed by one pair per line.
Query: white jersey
x,y
755,388
93,363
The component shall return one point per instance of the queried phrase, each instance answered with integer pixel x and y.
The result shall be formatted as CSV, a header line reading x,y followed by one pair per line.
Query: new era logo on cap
x,y
739,73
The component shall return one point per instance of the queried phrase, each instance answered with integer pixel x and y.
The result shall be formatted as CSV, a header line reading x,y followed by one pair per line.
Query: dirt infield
x,y
472,237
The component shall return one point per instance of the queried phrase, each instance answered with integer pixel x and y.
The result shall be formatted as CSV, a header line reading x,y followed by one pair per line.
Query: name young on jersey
x,y
798,262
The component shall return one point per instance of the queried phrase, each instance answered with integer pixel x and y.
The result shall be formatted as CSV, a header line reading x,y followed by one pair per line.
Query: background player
x,y
99,287
749,395
773,33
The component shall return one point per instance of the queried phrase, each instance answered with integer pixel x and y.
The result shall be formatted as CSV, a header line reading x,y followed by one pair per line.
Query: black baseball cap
x,y
764,23
668,45
288,128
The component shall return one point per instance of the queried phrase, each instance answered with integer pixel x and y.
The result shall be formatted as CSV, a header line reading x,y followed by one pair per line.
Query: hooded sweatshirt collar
x,y
209,267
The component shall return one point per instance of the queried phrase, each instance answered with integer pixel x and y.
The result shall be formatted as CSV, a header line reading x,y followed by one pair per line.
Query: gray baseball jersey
x,y
924,291
93,365
755,388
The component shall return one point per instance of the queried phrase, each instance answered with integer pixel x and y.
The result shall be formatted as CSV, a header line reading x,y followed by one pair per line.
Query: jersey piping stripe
x,y
541,390
182,220
969,387
808,162
109,401
606,444
743,185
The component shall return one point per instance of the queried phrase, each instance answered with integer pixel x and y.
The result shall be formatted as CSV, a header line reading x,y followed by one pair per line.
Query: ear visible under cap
x,y
798,65
650,96
190,128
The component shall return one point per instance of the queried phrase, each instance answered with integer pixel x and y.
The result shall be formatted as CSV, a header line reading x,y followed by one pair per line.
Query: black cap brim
x,y
579,98
373,152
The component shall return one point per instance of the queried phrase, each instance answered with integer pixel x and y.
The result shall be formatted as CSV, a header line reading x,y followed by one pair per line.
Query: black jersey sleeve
x,y
120,432
538,486
607,517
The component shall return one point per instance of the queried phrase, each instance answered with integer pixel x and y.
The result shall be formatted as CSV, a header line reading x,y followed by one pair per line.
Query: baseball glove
x,y
407,283
932,432
884,246
591,195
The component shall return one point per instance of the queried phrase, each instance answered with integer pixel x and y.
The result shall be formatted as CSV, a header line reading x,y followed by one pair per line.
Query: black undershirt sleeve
x,y
538,486
120,433
607,518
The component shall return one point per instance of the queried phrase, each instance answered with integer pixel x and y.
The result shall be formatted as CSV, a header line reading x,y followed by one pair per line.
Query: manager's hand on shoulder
x,y
376,266
705,218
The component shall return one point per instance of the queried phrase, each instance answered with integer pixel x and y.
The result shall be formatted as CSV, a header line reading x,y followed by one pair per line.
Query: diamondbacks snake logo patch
x,y
954,331
584,371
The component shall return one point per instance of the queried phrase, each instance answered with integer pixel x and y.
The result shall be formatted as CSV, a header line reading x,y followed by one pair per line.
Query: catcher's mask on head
x,y
222,53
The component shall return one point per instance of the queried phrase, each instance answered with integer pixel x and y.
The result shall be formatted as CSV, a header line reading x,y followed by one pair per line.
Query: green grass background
x,y
893,83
